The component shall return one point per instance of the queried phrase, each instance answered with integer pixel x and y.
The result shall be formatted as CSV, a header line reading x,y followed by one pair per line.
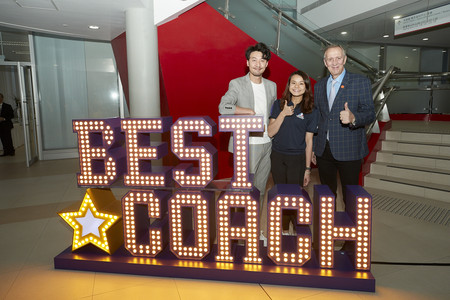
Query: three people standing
x,y
339,111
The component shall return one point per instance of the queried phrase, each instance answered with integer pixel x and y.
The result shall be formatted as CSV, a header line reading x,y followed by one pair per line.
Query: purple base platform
x,y
342,277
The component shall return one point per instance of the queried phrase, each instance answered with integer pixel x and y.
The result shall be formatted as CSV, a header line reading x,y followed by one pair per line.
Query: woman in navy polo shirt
x,y
293,122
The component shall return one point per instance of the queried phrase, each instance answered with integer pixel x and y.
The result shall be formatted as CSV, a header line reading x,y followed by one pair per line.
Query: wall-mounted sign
x,y
424,20
176,221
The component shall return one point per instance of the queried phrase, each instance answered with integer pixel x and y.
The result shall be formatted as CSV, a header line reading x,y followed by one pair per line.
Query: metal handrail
x,y
313,34
383,80
378,112
424,89
378,87
394,73
401,75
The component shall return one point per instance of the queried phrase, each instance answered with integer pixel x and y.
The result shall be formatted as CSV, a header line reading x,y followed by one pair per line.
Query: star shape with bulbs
x,y
97,221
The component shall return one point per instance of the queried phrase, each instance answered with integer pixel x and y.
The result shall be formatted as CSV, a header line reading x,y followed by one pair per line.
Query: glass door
x,y
28,112
16,84
9,87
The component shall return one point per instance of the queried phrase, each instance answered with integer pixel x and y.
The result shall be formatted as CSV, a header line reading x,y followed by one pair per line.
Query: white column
x,y
143,63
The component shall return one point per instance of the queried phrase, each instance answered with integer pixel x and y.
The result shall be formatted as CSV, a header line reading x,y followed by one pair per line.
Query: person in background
x,y
253,95
293,122
345,105
6,125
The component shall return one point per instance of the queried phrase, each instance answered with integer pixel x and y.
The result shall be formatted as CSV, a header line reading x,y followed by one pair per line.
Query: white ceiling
x,y
69,17
370,26
73,17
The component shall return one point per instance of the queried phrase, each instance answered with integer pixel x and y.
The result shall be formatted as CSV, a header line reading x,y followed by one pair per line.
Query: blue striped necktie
x,y
332,94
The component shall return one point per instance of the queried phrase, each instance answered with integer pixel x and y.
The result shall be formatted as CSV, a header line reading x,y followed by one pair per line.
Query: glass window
x,y
405,58
76,80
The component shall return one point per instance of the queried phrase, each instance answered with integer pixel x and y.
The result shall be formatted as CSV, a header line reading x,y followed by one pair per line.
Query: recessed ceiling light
x,y
396,17
93,27
414,49
406,57
425,39
344,32
386,35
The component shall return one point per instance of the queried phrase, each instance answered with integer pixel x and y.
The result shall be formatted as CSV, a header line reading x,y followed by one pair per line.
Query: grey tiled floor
x,y
31,235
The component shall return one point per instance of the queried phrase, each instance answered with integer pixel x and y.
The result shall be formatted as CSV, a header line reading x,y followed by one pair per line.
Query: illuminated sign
x,y
97,221
289,197
439,16
174,221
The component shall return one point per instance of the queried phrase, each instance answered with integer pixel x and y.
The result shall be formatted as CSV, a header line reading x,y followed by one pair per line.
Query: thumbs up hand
x,y
346,115
287,110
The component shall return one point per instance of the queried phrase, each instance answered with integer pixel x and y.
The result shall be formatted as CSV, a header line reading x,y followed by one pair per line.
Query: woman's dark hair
x,y
261,47
307,103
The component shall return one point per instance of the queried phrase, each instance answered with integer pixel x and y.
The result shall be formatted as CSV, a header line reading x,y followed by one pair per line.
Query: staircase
x,y
411,174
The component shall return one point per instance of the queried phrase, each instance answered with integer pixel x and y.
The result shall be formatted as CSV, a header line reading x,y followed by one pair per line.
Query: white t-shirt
x,y
259,93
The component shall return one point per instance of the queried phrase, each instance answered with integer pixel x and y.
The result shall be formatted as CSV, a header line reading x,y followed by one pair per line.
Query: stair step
x,y
416,147
418,137
414,159
416,188
420,174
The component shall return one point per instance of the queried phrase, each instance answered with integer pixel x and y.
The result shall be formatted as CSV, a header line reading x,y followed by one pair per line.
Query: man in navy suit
x,y
341,144
6,114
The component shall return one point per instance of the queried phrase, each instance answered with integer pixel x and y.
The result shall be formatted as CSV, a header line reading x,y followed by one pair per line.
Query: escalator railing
x,y
312,34
419,93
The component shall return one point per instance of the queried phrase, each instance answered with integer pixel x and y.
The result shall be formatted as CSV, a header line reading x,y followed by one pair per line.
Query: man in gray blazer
x,y
253,95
